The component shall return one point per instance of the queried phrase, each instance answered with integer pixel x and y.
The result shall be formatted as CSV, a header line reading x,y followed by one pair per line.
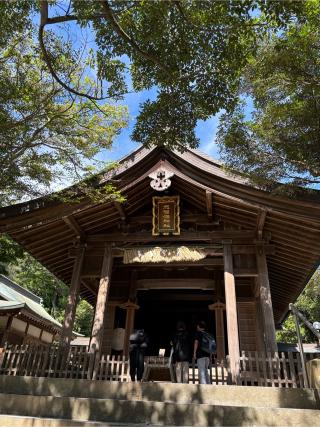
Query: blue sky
x,y
205,131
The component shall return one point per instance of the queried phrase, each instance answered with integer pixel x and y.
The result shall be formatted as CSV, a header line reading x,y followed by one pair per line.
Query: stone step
x,y
157,413
17,421
272,397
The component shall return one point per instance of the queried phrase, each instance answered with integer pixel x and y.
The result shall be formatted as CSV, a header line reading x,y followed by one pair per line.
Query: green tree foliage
x,y
15,18
48,136
309,305
29,273
10,253
84,318
193,52
282,140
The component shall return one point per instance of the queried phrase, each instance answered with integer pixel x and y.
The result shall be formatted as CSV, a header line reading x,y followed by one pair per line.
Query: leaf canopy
x,y
281,142
192,52
48,136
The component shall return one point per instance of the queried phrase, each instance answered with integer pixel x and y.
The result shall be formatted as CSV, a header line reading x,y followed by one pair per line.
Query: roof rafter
x,y
74,226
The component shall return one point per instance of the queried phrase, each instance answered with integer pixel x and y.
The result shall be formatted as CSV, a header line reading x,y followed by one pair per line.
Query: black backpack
x,y
138,339
181,347
208,343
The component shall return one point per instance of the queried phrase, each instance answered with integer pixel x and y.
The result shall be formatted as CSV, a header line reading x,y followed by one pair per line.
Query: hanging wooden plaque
x,y
166,215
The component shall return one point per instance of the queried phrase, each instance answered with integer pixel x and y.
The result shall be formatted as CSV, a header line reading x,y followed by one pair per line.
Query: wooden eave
x,y
48,229
37,321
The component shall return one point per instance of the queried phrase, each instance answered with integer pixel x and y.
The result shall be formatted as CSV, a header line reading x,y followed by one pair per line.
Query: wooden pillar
x,y
231,311
130,308
259,320
102,298
265,301
26,333
108,327
70,311
6,331
219,308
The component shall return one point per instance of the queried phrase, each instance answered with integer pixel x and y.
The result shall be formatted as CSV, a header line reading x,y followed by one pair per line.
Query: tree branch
x,y
44,20
38,113
109,16
47,60
177,3
67,18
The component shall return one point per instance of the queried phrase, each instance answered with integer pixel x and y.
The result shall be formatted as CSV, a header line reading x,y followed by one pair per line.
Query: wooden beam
x,y
93,250
91,271
69,316
88,286
44,237
102,299
155,283
218,236
108,328
74,226
130,308
218,309
172,297
251,249
6,330
266,301
245,272
260,222
195,218
26,331
202,263
209,203
231,311
259,324
121,211
50,215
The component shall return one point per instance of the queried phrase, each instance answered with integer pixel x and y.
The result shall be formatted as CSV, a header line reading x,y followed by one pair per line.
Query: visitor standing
x,y
200,355
181,353
138,345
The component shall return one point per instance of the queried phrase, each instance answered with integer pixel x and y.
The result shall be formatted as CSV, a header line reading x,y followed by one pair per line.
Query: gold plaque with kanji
x,y
166,216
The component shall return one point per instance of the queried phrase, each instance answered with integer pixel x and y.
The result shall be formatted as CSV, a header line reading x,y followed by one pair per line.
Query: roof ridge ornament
x,y
160,178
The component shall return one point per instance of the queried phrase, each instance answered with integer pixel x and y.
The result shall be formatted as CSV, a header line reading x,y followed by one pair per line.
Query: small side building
x,y
23,319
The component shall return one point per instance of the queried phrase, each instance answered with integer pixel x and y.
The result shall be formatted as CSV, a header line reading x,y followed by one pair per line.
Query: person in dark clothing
x,y
201,356
138,345
181,353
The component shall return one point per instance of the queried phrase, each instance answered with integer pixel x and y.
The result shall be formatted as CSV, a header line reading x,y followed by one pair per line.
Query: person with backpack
x,y
138,344
181,347
204,346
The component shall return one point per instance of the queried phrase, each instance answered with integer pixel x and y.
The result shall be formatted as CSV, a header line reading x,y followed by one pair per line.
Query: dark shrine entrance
x,y
161,309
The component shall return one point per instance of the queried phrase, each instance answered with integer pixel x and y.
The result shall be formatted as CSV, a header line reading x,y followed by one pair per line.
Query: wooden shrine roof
x,y
15,298
48,228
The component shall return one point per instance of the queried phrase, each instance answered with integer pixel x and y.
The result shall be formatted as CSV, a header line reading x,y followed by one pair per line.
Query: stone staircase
x,y
53,402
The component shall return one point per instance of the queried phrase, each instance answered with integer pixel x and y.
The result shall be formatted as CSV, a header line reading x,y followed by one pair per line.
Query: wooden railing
x,y
112,368
273,370
219,371
256,369
55,362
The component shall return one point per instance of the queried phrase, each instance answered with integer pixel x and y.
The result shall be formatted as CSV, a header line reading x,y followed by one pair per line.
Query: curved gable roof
x,y
46,227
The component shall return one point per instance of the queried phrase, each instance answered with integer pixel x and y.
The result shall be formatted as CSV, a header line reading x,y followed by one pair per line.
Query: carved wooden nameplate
x,y
166,216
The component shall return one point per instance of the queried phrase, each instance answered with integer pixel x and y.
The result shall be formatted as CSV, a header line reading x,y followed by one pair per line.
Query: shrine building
x,y
190,242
